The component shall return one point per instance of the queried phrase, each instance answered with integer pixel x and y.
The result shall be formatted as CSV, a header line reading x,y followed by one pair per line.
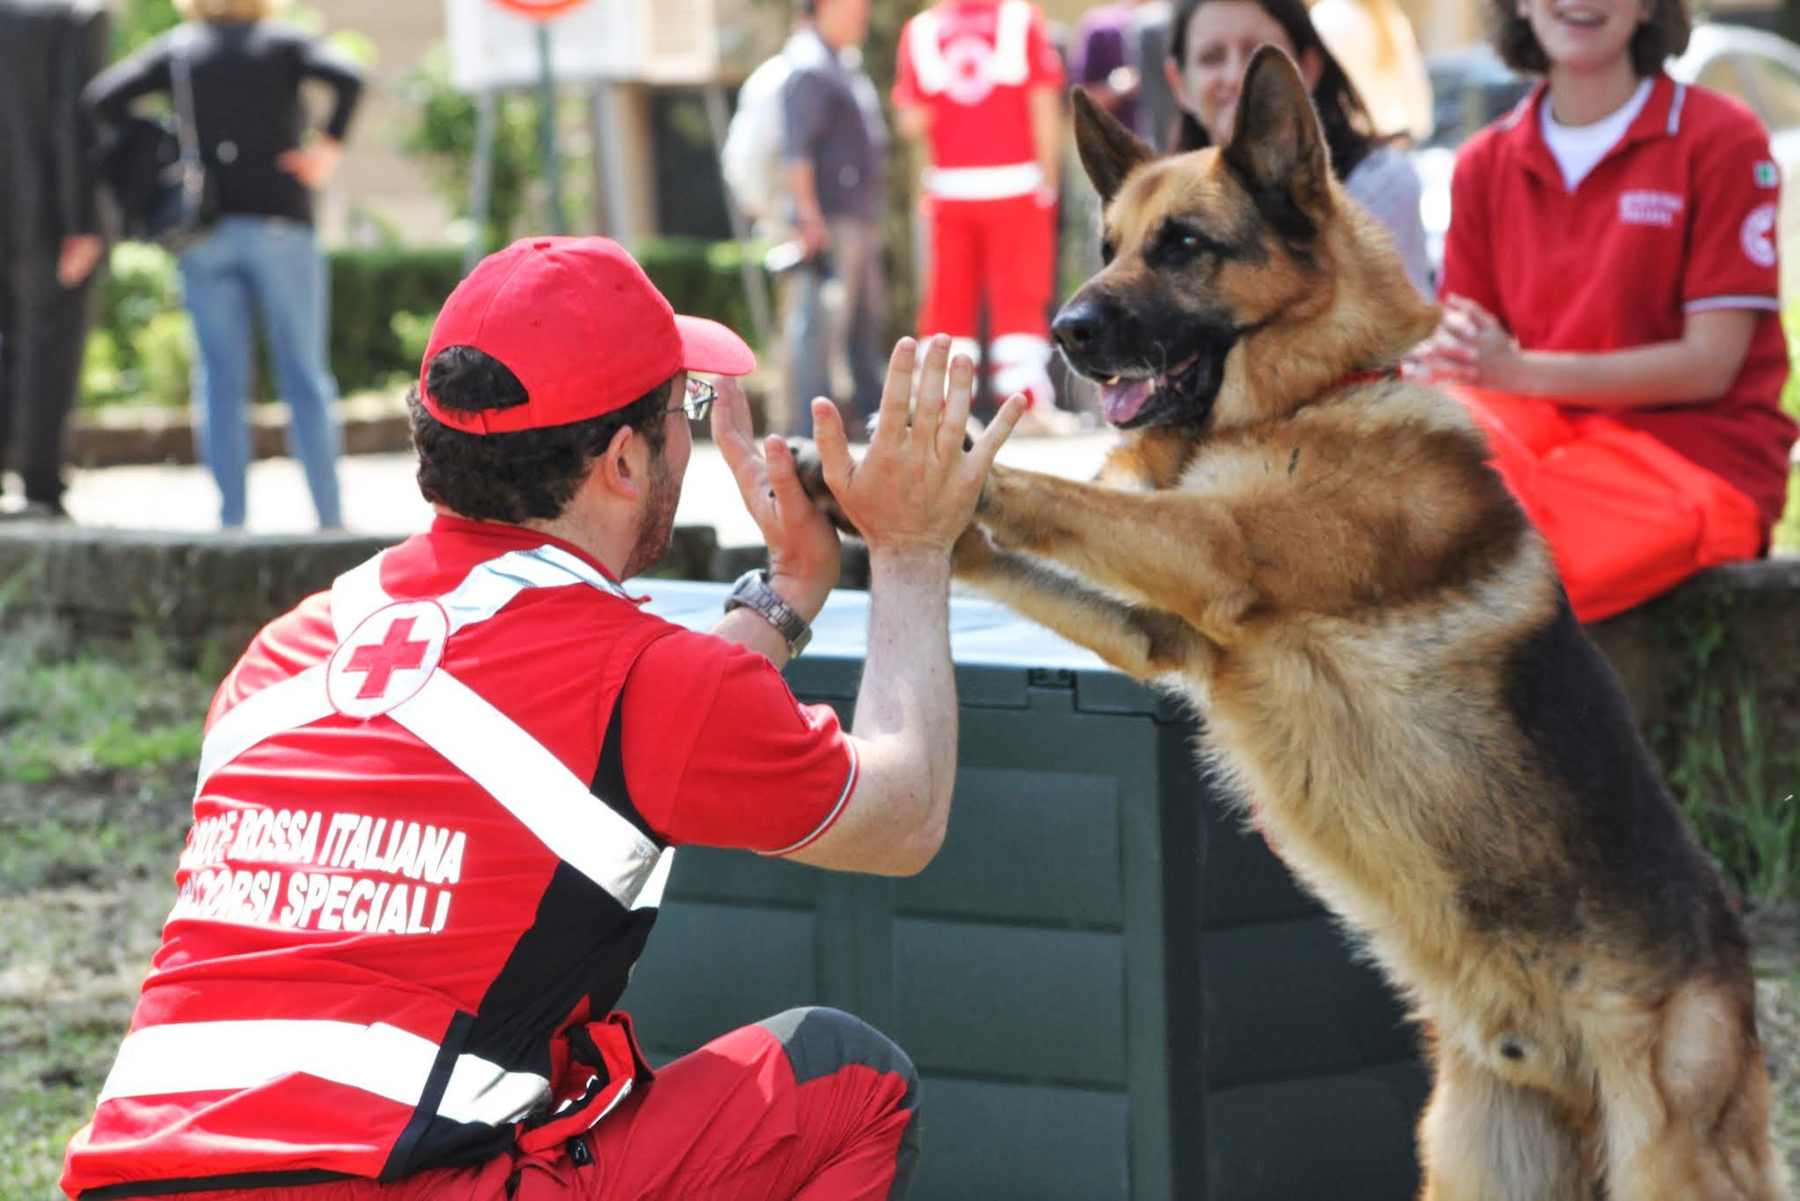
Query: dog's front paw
x,y
972,554
811,470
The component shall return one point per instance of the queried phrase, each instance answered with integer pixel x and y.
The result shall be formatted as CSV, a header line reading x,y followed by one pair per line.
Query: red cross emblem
x,y
387,659
382,659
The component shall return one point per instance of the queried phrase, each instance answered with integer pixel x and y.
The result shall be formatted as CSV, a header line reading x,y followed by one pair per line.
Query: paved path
x,y
380,496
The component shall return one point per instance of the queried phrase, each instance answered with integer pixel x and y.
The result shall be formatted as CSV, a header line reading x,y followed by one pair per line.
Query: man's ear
x,y
624,466
1277,148
1109,152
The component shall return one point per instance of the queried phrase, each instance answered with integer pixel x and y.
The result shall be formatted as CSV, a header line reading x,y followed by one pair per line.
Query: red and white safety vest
x,y
413,891
972,64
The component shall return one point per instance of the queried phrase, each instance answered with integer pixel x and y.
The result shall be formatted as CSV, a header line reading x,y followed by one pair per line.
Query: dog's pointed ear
x,y
1109,151
1277,147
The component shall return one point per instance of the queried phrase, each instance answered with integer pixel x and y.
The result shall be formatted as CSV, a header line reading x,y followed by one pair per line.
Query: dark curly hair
x,y
518,476
1349,130
1663,35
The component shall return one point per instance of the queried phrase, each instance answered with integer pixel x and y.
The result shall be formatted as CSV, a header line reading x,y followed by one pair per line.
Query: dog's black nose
x,y
1076,327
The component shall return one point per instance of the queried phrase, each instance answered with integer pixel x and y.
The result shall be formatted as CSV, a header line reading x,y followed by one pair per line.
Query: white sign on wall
x,y
649,41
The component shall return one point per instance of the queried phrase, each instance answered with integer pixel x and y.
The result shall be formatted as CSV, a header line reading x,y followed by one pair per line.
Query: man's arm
x,y
808,216
905,728
911,495
802,126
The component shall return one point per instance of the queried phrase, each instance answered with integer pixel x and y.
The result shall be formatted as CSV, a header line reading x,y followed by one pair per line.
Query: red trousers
x,y
812,1105
1001,253
1626,517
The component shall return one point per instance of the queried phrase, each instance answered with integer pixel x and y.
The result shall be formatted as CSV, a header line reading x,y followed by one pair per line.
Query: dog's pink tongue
x,y
1124,399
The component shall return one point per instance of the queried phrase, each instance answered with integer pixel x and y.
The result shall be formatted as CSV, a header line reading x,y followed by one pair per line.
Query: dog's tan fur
x,y
1370,626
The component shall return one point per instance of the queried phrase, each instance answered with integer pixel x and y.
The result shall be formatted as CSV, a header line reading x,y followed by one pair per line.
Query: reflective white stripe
x,y
1732,302
928,63
983,183
491,586
1675,108
480,1091
651,894
843,798
1010,64
532,784
190,1057
296,701
186,1057
488,588
356,595
1029,349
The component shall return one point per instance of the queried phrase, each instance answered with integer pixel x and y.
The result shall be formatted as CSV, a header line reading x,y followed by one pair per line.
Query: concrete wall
x,y
215,590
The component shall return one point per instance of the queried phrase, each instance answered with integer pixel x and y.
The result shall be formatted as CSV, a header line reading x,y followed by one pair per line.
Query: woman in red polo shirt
x,y
1610,303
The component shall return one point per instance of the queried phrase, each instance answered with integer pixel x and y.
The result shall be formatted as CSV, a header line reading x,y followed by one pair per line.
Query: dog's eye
x,y
1177,243
1107,250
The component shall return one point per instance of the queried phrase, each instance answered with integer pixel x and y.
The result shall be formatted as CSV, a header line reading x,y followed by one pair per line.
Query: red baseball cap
x,y
581,325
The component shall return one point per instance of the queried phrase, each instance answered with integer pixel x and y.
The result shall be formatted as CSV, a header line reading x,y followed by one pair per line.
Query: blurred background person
x,y
1103,59
49,232
1210,44
833,146
261,259
1375,44
980,83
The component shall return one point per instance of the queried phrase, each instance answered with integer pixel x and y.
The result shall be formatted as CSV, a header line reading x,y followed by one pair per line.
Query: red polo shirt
x,y
1678,217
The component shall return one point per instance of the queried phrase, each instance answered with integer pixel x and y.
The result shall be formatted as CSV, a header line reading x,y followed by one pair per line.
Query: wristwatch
x,y
752,591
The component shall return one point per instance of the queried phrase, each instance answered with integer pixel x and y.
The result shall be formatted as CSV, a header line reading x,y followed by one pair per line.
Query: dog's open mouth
x,y
1125,399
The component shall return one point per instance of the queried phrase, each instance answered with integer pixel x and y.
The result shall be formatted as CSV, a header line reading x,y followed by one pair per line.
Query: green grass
x,y
63,715
97,755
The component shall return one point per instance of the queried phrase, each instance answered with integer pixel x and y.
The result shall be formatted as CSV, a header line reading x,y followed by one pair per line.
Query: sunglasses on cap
x,y
698,401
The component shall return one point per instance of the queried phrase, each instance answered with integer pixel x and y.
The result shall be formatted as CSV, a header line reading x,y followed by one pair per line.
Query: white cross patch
x,y
387,659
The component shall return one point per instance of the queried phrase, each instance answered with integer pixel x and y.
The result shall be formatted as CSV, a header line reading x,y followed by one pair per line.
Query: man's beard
x,y
659,520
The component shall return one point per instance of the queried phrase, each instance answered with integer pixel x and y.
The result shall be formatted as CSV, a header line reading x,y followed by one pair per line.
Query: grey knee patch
x,y
819,1041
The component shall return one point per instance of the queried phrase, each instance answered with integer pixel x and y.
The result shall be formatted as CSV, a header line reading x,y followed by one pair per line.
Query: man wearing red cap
x,y
437,803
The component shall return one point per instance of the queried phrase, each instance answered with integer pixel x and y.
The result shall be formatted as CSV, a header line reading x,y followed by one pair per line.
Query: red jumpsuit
x,y
435,812
991,214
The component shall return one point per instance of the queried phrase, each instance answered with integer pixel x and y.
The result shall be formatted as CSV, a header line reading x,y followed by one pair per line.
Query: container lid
x,y
997,653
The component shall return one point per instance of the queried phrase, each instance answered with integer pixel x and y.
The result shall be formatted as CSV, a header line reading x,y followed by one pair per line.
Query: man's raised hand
x,y
804,553
917,486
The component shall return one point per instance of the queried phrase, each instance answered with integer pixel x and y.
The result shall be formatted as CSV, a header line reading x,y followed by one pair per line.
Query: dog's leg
x,y
1143,643
1686,1100
1173,552
1484,1139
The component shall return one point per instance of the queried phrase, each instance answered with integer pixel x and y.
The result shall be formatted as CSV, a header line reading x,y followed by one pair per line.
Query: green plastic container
x,y
1109,989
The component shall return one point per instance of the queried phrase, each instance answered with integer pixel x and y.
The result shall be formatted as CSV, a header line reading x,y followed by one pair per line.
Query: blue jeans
x,y
270,267
855,259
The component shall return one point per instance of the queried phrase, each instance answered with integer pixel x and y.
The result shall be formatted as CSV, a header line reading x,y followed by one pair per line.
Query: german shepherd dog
x,y
1318,554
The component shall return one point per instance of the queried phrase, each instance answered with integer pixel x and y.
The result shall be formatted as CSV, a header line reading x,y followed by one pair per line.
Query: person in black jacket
x,y
261,255
49,244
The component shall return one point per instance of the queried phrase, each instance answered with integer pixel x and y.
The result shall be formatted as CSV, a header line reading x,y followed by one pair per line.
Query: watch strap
x,y
753,591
